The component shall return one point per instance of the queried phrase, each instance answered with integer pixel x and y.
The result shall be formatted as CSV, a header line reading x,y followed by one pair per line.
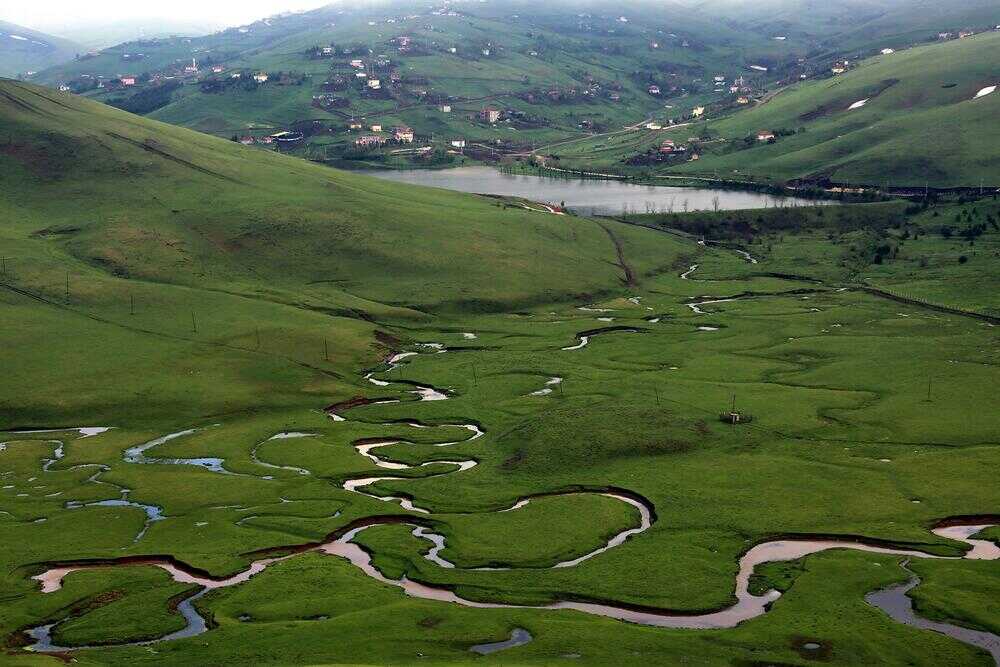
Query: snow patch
x,y
988,90
858,104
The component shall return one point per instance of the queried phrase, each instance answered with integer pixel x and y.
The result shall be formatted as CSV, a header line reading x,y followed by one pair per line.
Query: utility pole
x,y
326,349
67,286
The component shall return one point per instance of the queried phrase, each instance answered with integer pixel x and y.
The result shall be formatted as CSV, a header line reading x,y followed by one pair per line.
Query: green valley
x,y
259,409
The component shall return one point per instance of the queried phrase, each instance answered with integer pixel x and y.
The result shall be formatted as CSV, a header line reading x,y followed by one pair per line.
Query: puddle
x,y
518,637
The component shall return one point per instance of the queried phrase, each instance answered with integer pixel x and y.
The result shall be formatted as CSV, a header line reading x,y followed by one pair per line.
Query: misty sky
x,y
48,14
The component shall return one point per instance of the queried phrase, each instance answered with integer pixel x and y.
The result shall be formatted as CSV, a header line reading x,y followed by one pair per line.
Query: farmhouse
x,y
260,77
369,140
445,108
654,90
127,80
765,135
698,112
192,68
218,69
403,135
458,143
354,125
374,84
376,127
490,115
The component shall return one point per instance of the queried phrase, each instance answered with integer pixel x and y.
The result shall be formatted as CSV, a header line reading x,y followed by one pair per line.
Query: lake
x,y
588,197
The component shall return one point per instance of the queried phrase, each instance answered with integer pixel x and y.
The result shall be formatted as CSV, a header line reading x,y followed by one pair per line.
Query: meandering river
x,y
748,605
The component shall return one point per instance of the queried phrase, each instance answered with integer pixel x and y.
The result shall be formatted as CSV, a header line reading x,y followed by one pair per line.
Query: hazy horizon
x,y
66,15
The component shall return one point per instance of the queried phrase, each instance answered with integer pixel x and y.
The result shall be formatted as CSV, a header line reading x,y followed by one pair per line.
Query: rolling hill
x,y
24,50
909,118
177,206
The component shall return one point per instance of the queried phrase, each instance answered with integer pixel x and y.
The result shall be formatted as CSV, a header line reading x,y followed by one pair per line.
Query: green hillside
x,y
908,118
552,70
23,50
221,212
920,123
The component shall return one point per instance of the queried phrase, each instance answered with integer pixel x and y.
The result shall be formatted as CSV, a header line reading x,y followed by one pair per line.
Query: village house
x,y
888,52
358,63
327,51
192,68
966,33
127,81
458,143
698,112
218,69
653,126
260,77
354,125
369,140
63,88
654,90
403,135
743,100
445,108
377,127
490,115
374,84
765,135
247,141
615,97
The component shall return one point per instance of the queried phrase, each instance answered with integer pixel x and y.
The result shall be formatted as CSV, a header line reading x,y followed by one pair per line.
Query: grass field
x,y
266,288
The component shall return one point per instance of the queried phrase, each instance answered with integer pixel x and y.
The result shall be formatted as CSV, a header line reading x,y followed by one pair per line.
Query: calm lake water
x,y
588,197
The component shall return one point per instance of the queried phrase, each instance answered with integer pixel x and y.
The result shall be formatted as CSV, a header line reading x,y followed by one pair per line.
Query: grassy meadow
x,y
212,287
